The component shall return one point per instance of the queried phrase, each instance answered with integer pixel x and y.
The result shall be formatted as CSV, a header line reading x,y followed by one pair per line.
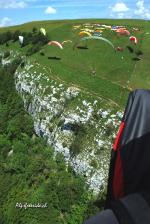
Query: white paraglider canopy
x,y
21,38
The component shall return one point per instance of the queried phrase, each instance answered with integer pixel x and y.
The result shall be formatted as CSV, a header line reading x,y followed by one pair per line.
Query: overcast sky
x,y
20,11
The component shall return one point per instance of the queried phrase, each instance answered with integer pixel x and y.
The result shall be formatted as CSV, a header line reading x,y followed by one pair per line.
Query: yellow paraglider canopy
x,y
99,30
66,41
43,31
82,33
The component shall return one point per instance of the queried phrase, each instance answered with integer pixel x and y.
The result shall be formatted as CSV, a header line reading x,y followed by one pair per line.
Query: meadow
x,y
116,73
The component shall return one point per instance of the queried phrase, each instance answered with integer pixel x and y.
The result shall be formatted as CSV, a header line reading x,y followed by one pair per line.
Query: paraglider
x,y
66,41
82,33
76,27
97,38
97,34
123,31
133,39
99,30
135,29
43,31
21,38
119,49
87,30
55,43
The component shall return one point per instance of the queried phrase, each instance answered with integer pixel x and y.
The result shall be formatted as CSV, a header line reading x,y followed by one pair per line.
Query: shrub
x,y
42,53
80,132
6,54
27,38
40,39
34,30
33,50
7,45
13,66
94,164
22,64
4,37
15,35
0,59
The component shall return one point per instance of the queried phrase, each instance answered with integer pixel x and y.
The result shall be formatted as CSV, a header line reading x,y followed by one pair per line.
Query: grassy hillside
x,y
116,73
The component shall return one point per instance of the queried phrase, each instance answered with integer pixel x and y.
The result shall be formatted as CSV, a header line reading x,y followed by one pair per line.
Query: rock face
x,y
81,129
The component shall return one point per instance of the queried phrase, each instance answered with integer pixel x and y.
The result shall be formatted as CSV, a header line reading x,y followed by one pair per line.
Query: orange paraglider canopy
x,y
123,32
55,43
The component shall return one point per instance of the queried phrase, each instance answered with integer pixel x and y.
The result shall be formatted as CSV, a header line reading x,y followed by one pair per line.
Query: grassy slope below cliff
x,y
116,72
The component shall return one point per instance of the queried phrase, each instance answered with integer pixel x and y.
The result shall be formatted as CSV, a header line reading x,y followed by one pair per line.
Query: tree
x,y
5,37
34,30
16,35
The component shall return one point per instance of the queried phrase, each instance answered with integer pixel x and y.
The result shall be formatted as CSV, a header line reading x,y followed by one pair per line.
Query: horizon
x,y
16,12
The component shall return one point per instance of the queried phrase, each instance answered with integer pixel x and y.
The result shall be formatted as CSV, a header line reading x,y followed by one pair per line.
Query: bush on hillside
x,y
16,35
0,59
33,50
42,53
34,30
6,54
40,39
11,68
5,37
27,38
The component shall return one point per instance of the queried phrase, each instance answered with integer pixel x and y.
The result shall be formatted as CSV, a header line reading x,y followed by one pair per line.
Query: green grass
x,y
115,71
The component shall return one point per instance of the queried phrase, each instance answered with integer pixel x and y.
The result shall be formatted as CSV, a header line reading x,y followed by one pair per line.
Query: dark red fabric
x,y
118,188
118,175
118,136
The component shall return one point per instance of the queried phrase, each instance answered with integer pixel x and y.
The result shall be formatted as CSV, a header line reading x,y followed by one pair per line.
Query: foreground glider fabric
x,y
132,209
55,43
130,160
105,217
21,38
43,31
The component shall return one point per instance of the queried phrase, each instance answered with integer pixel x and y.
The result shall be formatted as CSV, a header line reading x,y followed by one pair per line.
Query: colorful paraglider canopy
x,y
96,38
123,31
133,39
99,30
76,27
82,33
107,27
55,43
97,34
43,31
66,41
21,38
88,26
135,29
87,30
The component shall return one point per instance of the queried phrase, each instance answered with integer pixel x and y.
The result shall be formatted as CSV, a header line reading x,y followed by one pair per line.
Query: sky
x,y
13,12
